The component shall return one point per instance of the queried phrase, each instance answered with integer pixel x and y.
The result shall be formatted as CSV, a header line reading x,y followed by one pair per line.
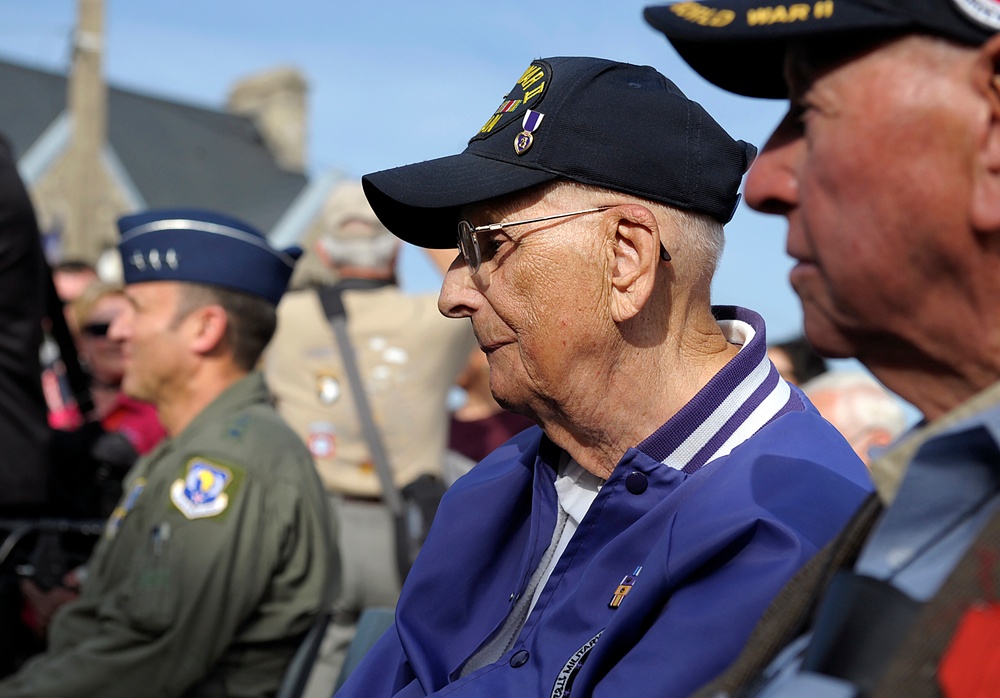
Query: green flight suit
x,y
208,574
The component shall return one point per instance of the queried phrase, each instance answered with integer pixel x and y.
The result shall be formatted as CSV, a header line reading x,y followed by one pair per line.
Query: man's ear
x,y
208,328
986,194
636,258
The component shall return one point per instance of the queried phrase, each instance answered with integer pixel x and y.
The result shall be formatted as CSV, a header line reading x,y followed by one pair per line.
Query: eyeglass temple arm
x,y
501,226
492,227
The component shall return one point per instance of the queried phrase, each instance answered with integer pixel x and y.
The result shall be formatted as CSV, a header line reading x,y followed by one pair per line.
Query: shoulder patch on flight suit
x,y
236,427
201,493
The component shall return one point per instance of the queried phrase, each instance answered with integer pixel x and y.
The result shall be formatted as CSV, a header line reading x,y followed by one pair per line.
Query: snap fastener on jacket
x,y
636,483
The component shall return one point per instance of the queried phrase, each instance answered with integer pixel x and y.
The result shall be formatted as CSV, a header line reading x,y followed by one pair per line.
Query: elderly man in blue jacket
x,y
629,544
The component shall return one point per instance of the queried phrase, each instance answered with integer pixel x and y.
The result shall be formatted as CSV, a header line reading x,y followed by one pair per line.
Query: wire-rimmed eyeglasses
x,y
472,249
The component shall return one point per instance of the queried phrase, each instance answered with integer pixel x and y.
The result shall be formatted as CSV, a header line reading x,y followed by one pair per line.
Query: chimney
x,y
87,99
276,102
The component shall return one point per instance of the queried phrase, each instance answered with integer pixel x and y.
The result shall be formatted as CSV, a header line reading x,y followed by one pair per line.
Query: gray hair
x,y
699,236
374,252
352,234
863,404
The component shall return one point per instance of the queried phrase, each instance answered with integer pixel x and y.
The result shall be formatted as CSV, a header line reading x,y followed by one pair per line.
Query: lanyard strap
x,y
333,305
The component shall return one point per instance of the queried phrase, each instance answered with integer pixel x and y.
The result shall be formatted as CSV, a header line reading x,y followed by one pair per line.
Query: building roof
x,y
174,154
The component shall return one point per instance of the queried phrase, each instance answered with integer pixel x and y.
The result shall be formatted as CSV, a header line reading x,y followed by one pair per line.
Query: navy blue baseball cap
x,y
613,125
206,248
739,45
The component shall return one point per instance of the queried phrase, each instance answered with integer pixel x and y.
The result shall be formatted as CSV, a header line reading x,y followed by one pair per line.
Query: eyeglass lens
x,y
468,244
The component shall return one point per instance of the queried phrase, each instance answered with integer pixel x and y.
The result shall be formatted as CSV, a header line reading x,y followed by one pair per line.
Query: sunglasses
x,y
96,329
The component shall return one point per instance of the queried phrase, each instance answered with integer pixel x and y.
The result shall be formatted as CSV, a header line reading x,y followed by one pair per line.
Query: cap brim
x,y
420,203
745,52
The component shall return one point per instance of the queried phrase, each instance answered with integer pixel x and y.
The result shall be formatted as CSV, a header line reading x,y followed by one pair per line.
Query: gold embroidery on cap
x,y
705,16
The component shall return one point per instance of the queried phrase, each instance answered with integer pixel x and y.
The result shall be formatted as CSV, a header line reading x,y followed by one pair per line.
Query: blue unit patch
x,y
201,493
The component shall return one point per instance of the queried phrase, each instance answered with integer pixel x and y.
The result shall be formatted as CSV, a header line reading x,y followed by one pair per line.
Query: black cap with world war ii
x,y
739,45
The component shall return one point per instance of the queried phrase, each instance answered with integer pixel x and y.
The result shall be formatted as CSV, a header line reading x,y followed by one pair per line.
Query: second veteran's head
x,y
886,168
588,213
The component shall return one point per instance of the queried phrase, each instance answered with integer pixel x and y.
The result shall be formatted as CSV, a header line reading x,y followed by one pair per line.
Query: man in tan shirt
x,y
408,357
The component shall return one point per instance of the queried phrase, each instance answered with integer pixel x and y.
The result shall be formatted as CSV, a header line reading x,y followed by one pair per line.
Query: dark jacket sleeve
x,y
24,430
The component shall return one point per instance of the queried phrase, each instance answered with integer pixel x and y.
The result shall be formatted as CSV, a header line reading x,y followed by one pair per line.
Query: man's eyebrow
x,y
808,59
798,74
796,83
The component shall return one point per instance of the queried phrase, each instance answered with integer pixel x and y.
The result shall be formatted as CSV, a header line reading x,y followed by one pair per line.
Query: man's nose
x,y
459,296
772,184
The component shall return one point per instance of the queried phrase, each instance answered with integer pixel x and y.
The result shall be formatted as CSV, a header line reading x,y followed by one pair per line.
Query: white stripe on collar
x,y
737,332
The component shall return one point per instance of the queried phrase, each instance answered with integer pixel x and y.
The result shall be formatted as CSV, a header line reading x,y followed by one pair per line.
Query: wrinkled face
x,y
154,340
871,168
538,303
104,353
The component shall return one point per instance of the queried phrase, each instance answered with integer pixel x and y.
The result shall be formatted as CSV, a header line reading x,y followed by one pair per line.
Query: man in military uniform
x,y
216,561
408,357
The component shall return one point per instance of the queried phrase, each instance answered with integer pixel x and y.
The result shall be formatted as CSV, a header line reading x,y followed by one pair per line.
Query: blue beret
x,y
206,248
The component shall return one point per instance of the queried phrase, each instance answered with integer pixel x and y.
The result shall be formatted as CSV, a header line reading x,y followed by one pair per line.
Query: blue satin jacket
x,y
717,519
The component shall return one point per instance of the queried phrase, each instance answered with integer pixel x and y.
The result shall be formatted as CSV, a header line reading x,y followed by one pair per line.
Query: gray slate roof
x,y
175,154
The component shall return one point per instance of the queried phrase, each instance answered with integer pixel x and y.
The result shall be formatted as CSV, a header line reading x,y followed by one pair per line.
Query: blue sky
x,y
396,82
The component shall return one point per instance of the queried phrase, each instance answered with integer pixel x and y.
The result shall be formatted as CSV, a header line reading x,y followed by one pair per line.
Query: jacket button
x,y
519,659
636,483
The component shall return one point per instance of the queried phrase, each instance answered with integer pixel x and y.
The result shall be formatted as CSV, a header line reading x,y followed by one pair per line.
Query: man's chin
x,y
133,391
825,330
503,400
826,338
